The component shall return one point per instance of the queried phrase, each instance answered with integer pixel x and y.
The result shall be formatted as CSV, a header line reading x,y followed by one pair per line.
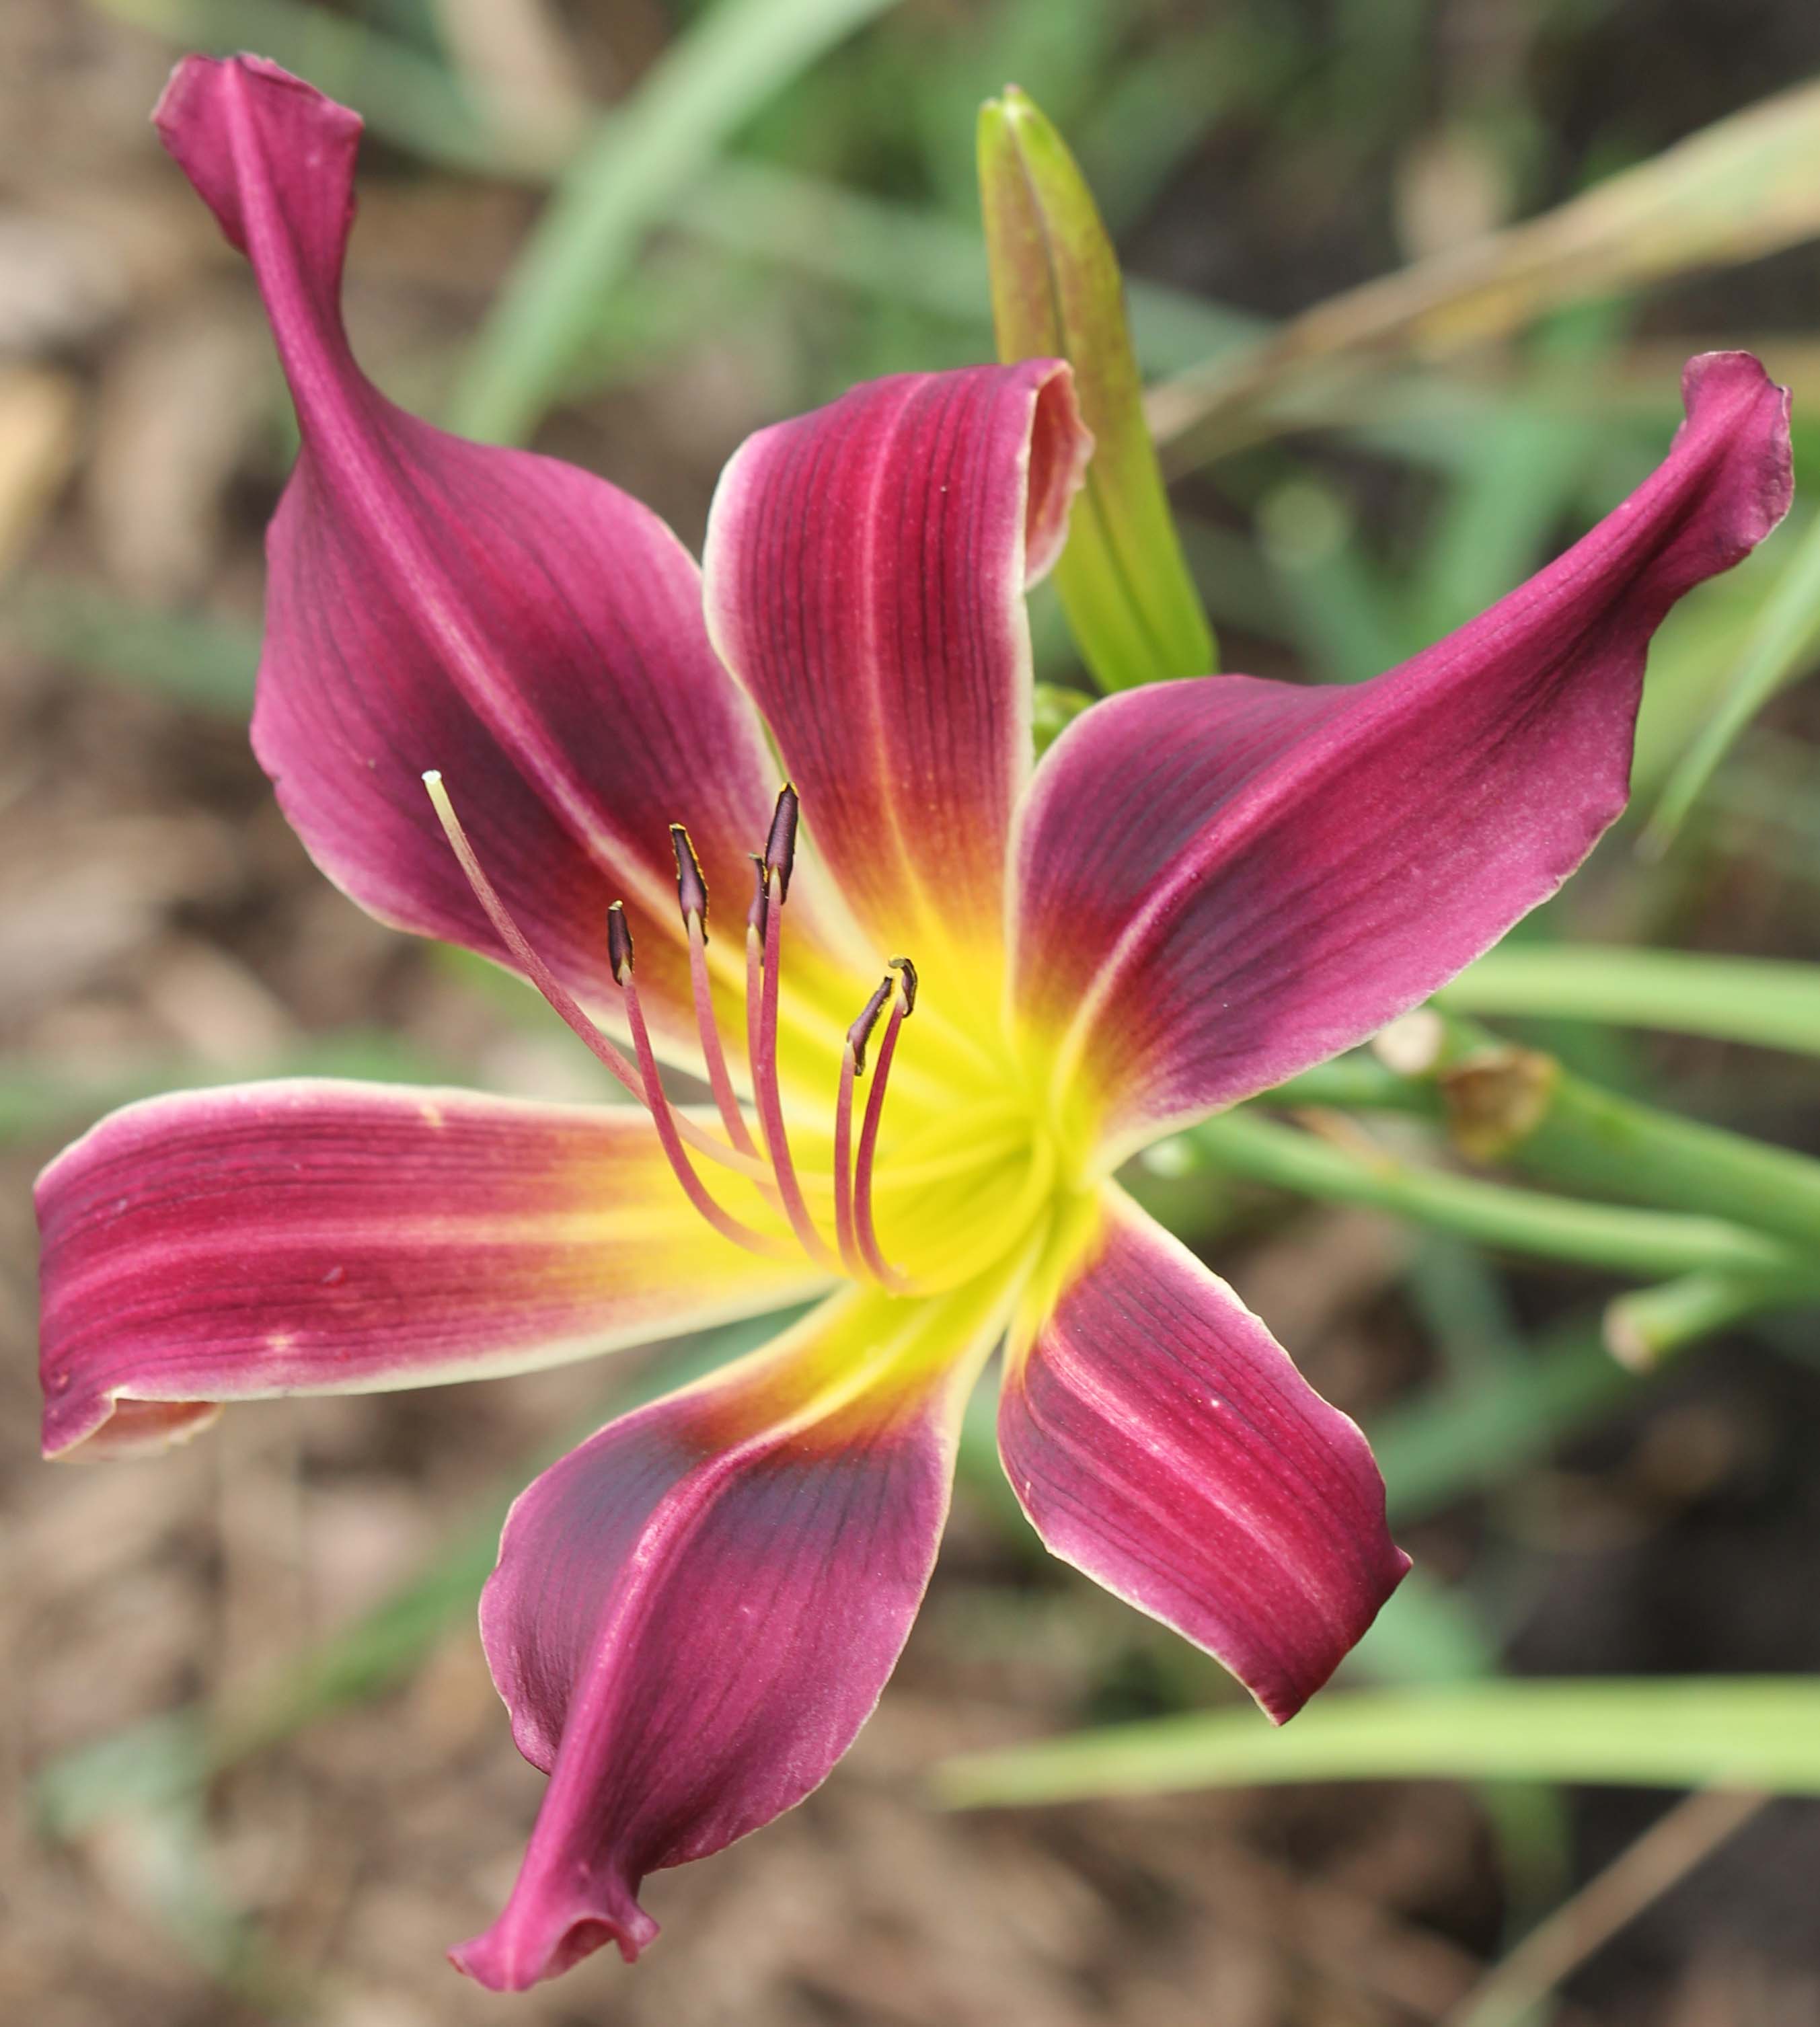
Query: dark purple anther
x,y
860,1033
781,846
691,886
618,943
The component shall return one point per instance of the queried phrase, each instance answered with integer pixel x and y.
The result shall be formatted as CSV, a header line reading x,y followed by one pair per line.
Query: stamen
x,y
691,884
852,1065
902,1006
560,998
692,895
757,920
663,1116
781,845
763,1042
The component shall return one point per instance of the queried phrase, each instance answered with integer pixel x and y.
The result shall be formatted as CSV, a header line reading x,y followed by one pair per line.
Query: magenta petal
x,y
695,1612
521,625
1225,880
316,1237
866,569
1161,1441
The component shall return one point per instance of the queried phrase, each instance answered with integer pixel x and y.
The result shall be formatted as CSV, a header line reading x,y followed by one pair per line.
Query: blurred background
x,y
255,1770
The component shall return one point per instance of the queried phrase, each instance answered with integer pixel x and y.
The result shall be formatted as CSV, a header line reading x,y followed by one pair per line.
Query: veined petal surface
x,y
520,624
695,1612
1223,881
1161,1439
866,569
311,1236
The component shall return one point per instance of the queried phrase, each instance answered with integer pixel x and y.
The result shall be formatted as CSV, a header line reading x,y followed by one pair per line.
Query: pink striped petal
x,y
866,569
316,1237
695,1612
1225,880
1161,1441
521,625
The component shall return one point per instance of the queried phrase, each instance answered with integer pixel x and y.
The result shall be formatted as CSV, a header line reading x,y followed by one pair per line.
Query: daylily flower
x,y
932,1028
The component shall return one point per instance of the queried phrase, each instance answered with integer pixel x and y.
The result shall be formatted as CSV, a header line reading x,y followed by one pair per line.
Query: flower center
x,y
965,1184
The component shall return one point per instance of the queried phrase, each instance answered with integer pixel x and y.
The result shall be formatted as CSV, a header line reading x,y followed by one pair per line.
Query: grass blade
x,y
1740,188
623,180
1753,1732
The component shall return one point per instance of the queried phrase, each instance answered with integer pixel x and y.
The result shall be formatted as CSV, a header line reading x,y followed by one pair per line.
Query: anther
x,y
906,973
691,887
618,943
781,845
860,1033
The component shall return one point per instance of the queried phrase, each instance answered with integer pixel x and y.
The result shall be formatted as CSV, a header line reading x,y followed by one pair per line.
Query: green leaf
x,y
1773,1003
712,77
1730,1731
1056,292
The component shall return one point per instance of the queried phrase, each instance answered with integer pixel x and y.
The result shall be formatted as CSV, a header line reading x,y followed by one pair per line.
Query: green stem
x,y
1773,1003
1647,1325
1619,1239
1586,1138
